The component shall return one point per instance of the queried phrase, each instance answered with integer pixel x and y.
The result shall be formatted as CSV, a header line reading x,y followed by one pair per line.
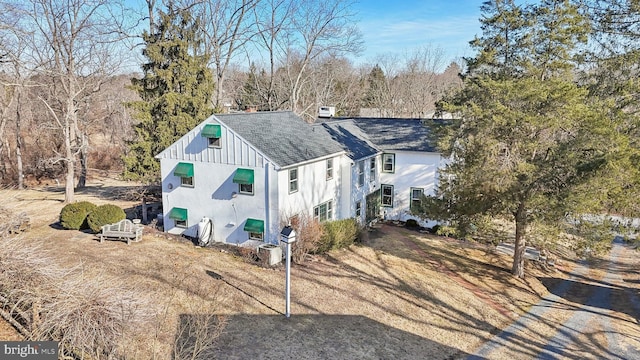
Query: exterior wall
x,y
313,187
212,194
359,193
412,169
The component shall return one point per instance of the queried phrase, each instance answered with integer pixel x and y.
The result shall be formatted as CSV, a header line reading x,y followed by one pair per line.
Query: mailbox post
x,y
288,236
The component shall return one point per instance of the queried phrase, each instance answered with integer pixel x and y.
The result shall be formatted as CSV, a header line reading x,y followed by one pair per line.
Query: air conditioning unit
x,y
272,252
326,111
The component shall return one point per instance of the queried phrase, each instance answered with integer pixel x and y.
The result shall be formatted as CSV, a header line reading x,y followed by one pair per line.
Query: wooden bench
x,y
122,230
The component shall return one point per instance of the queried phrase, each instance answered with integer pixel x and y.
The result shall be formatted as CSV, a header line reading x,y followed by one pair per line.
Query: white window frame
x,y
389,203
360,171
413,199
245,189
214,143
358,209
293,183
389,158
327,215
329,169
187,181
256,236
372,169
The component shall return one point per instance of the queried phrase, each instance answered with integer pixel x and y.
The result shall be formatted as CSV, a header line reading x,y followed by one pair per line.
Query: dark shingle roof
x,y
397,134
352,138
282,136
362,137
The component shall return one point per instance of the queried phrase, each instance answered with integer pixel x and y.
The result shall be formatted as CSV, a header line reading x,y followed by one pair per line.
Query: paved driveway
x,y
594,314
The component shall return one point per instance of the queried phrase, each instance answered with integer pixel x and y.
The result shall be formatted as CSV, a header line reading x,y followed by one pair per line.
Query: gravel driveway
x,y
591,315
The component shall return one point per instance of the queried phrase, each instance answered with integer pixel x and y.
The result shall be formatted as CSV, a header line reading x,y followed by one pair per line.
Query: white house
x,y
395,163
249,171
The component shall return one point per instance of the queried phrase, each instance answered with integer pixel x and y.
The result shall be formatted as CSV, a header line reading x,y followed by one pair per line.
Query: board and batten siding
x,y
234,150
213,195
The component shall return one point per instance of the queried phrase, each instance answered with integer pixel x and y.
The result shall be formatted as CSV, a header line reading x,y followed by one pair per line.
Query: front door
x,y
373,206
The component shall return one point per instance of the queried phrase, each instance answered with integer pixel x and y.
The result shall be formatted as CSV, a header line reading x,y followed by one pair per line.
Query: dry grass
x,y
423,296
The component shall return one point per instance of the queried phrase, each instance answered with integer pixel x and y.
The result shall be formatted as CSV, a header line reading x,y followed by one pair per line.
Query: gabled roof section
x,y
282,136
397,134
352,138
361,135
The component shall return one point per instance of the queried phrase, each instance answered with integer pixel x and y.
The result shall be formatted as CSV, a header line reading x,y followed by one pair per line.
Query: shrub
x,y
411,223
308,234
338,234
103,215
74,216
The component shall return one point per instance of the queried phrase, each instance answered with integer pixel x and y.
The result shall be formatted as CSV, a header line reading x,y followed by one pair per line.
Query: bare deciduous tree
x,y
72,48
226,27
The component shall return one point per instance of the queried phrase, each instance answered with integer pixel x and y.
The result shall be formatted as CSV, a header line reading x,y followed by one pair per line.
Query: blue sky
x,y
403,25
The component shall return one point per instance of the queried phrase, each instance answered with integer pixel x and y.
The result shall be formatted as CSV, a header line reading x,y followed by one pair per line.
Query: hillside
x,y
423,296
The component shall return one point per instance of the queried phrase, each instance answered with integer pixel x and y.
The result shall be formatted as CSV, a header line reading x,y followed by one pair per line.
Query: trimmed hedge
x,y
338,234
74,216
103,215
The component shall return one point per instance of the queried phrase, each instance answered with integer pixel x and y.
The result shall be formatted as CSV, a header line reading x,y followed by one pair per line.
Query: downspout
x,y
267,208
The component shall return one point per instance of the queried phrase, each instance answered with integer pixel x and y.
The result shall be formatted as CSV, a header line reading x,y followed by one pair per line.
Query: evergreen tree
x,y
377,88
529,138
176,90
611,73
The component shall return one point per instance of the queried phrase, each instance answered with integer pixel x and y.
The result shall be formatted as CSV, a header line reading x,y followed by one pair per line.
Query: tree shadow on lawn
x,y
603,296
310,337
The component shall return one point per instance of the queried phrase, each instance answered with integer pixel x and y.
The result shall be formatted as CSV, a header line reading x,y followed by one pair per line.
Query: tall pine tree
x,y
529,137
611,73
175,91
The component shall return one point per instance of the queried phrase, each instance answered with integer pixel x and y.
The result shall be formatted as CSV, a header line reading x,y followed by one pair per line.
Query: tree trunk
x,y
520,244
69,160
69,189
19,163
19,145
144,210
82,178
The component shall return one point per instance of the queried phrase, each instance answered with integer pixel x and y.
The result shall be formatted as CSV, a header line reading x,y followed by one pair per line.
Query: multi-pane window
x,y
244,178
387,195
246,189
214,142
329,169
323,212
388,163
213,134
185,172
293,180
416,197
186,181
361,173
358,209
372,169
179,216
255,228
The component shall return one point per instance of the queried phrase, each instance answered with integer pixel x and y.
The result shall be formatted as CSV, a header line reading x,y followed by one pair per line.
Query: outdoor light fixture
x,y
288,236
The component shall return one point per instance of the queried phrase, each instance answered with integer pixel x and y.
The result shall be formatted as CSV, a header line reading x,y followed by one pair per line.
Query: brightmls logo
x,y
33,350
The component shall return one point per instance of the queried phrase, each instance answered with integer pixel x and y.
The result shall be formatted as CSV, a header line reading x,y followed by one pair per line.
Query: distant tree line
x,y
67,107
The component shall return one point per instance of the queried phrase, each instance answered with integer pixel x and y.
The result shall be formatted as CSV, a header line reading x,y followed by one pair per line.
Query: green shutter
x,y
178,214
243,176
183,170
254,226
211,131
